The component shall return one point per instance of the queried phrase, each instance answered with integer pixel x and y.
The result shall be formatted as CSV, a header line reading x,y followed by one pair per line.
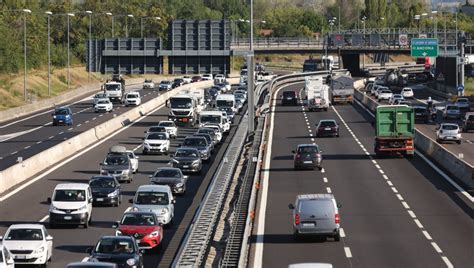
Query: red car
x,y
142,225
196,78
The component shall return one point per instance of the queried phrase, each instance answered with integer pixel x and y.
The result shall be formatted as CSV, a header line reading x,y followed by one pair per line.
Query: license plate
x,y
67,217
100,199
308,224
328,128
308,162
20,257
185,166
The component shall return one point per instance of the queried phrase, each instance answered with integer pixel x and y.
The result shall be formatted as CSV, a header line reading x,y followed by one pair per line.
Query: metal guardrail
x,y
197,241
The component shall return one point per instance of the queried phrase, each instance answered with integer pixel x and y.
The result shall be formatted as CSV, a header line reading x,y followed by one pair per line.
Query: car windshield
x,y
462,100
452,108
239,96
180,103
156,129
100,96
307,149
186,153
450,127
103,102
138,219
167,173
114,245
25,234
225,103
156,136
178,80
166,124
165,82
195,142
102,183
116,160
112,87
327,124
386,92
132,96
208,139
288,94
211,119
69,195
151,198
322,206
148,81
61,112
420,110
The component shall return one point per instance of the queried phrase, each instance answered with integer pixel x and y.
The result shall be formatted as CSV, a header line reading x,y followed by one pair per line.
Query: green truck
x,y
394,130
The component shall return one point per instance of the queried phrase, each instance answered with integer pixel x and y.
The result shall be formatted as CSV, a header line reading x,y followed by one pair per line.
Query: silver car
x,y
451,111
448,132
463,104
316,214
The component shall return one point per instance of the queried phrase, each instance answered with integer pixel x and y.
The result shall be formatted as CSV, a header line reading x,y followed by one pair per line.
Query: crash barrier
x,y
28,168
462,171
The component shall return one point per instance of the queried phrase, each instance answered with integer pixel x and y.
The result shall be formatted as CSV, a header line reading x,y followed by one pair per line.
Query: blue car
x,y
62,116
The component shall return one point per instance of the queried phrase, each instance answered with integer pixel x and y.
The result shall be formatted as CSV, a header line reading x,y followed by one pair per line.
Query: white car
x,y
99,96
379,89
133,98
156,142
384,94
207,77
155,198
187,79
104,105
216,129
448,132
407,92
29,243
134,160
6,258
395,98
170,127
148,84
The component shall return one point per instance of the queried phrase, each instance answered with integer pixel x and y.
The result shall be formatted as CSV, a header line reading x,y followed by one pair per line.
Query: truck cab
x,y
114,90
214,117
183,109
226,101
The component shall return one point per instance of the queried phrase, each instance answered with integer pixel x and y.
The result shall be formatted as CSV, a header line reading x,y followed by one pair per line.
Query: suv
x,y
187,159
133,98
201,144
165,85
143,225
316,214
105,190
307,156
422,114
463,104
452,111
121,250
173,177
448,132
327,127
118,164
62,116
289,98
148,84
103,105
71,204
157,199
468,122
156,142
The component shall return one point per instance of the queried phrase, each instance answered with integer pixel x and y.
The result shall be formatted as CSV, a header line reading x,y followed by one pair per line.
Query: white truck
x,y
184,108
214,118
198,94
226,101
317,93
114,90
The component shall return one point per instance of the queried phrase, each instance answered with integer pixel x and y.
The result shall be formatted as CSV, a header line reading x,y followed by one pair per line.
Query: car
x,y
289,98
157,199
407,92
121,250
106,190
463,104
222,87
239,105
133,160
144,226
384,94
316,214
206,77
156,142
327,127
177,82
62,116
217,130
219,76
229,113
196,78
368,86
187,79
240,91
99,96
6,257
451,111
448,132
379,90
468,122
208,138
157,129
187,159
165,85
28,244
307,156
118,164
211,132
395,98
171,176
170,127
201,144
374,88
91,263
402,102
240,97
421,78
148,83
104,105
133,98
422,114
70,204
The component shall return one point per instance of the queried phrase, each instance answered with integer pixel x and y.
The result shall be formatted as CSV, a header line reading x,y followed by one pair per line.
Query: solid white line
x,y
427,235
418,223
328,189
348,252
436,247
447,262
325,179
45,218
405,205
341,232
412,214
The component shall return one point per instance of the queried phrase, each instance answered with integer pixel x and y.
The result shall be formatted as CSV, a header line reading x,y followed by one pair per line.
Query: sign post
x,y
424,47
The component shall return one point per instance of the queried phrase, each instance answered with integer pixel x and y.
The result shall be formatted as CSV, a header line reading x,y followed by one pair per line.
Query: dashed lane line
x,y
348,252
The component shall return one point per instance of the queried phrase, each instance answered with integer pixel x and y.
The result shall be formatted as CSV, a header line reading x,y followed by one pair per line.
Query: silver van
x,y
316,214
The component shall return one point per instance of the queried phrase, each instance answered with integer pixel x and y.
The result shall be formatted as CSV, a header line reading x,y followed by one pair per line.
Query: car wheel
x,y
296,236
144,152
337,237
52,225
86,225
459,141
438,140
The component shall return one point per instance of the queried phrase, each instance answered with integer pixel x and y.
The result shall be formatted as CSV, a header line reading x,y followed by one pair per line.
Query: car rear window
x,y
307,149
420,110
313,205
327,124
452,107
289,94
450,127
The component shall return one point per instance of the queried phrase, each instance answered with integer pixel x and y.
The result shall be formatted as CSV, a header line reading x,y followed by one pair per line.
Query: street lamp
x,y
434,12
90,46
109,14
26,11
364,18
48,14
141,23
417,18
126,24
68,51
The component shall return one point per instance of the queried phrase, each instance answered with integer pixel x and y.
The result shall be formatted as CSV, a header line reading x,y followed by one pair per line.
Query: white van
x,y
226,101
156,198
214,117
71,204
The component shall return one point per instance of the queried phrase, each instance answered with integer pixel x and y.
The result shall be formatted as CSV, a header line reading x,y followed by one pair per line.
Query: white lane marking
x,y
307,123
323,170
427,235
399,196
136,148
50,137
15,152
61,133
62,163
325,180
69,129
86,122
405,205
342,233
418,223
381,171
447,262
389,183
79,125
38,142
312,139
27,147
377,166
385,177
394,189
100,116
436,247
309,130
373,161
412,214
348,252
328,189
45,218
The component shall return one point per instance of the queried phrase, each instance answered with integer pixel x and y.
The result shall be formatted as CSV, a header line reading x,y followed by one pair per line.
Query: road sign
x,y
424,47
460,88
403,39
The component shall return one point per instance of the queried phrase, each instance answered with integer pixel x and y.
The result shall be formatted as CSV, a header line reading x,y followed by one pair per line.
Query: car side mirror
x,y
89,250
291,206
130,200
339,205
101,164
115,225
49,238
185,176
48,200
173,201
144,131
142,251
294,152
90,200
10,261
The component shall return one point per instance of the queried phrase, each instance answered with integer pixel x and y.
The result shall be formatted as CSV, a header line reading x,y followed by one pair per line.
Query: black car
x,y
177,82
327,127
199,143
121,250
105,190
422,114
187,159
171,176
289,98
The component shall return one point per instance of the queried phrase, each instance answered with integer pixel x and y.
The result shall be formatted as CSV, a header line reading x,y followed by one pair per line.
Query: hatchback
x,y
407,92
468,122
463,104
62,116
308,156
448,132
327,127
451,111
289,98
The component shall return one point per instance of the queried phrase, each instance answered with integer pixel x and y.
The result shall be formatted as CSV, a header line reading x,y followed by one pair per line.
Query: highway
x,y
396,212
70,244
32,134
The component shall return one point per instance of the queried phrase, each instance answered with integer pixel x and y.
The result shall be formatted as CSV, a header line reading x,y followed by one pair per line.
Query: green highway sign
x,y
424,47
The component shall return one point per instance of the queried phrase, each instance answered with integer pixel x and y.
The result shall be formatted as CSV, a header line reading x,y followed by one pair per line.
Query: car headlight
x,y
131,262
164,211
154,234
180,184
39,250
83,208
104,172
126,171
113,194
175,161
196,162
54,117
117,233
146,144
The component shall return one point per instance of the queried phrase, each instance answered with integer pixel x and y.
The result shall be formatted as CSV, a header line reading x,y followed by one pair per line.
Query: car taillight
x,y
297,219
336,218
298,156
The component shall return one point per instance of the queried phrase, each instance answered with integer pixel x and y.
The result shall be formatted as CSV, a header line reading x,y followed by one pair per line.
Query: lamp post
x,y
363,54
417,19
126,24
26,11
141,23
90,46
433,13
69,50
48,14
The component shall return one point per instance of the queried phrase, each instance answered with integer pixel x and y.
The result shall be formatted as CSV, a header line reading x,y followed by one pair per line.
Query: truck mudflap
x,y
394,145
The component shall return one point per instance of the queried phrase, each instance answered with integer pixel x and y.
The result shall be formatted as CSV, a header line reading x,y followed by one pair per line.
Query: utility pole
x,y
49,13
251,76
90,46
26,11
